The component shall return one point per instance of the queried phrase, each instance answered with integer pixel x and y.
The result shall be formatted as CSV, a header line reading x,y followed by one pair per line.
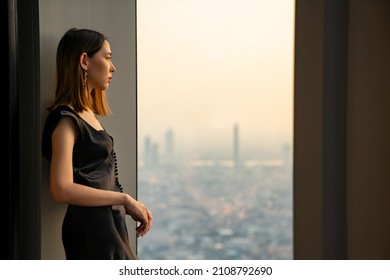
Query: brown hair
x,y
70,77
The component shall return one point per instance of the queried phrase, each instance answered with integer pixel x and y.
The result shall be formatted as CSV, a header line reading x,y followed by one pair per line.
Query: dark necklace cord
x,y
119,186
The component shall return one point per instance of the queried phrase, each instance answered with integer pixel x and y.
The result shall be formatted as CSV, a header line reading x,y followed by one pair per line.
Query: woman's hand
x,y
140,214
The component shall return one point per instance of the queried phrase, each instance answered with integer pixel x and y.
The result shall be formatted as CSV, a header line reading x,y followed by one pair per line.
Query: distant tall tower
x,y
169,146
236,155
155,156
147,152
287,156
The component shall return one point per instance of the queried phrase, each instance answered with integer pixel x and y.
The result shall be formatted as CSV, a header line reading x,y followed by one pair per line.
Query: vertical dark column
x,y
334,129
13,135
24,150
307,165
320,81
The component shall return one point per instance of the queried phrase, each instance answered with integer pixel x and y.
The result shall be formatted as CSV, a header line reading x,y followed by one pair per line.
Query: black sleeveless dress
x,y
90,233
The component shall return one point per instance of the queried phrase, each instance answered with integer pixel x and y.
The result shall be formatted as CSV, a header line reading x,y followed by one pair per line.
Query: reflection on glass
x,y
215,128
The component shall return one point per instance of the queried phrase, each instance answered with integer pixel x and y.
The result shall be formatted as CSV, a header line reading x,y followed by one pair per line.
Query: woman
x,y
83,166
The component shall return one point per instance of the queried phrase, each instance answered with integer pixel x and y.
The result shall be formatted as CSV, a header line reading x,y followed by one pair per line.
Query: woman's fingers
x,y
145,221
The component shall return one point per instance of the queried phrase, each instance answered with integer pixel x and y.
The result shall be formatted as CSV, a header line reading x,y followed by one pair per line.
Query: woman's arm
x,y
62,187
64,190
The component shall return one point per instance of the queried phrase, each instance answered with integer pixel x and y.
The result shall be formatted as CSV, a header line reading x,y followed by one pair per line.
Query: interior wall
x,y
307,166
368,133
351,129
115,19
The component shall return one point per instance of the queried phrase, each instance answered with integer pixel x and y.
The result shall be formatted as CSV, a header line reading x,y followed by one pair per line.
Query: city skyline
x,y
154,152
244,212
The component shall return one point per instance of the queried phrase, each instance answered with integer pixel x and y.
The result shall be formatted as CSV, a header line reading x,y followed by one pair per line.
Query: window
x,y
215,92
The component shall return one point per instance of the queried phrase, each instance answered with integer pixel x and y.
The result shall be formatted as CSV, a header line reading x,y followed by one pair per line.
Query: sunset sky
x,y
205,65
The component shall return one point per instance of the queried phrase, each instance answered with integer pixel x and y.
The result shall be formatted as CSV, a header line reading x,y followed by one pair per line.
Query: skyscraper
x,y
236,155
169,146
147,151
155,159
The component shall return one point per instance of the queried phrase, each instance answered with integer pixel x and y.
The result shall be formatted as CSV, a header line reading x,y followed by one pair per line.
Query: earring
x,y
85,78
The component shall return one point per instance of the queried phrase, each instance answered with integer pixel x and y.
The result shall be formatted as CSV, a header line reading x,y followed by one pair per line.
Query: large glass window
x,y
215,116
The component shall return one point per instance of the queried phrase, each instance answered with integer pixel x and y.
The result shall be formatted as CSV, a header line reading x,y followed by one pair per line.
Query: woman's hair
x,y
70,76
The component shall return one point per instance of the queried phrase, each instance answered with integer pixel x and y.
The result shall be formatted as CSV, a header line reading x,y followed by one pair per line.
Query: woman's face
x,y
100,68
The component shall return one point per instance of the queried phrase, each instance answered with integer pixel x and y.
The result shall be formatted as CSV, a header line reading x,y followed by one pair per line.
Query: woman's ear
x,y
84,61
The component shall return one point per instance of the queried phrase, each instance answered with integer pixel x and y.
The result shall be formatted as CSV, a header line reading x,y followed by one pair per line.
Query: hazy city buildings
x,y
211,210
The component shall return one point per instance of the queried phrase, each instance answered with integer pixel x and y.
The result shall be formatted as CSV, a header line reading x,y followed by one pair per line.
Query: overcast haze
x,y
206,65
